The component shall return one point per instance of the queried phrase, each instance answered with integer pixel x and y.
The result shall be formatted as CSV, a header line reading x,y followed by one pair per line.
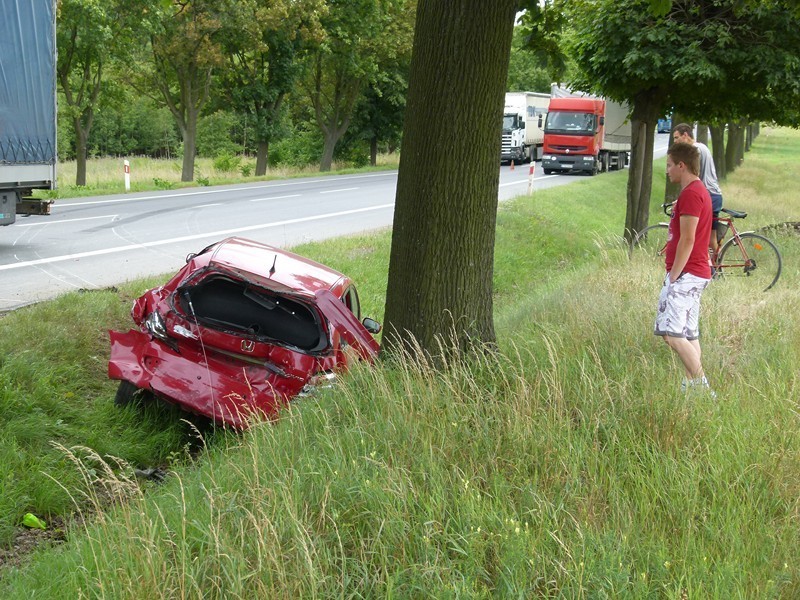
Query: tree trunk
x,y
718,149
442,257
646,108
328,146
702,133
262,158
373,151
189,145
81,136
731,147
671,190
740,144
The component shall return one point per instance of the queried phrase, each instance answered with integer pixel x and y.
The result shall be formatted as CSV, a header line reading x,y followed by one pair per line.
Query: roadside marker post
x,y
127,169
530,179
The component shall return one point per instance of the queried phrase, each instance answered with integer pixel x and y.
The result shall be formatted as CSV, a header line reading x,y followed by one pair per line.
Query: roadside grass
x,y
106,175
567,464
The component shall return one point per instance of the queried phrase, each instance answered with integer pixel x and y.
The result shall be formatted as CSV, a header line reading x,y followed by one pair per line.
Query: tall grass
x,y
565,465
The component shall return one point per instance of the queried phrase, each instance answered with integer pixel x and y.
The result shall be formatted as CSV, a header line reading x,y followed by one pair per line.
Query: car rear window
x,y
222,303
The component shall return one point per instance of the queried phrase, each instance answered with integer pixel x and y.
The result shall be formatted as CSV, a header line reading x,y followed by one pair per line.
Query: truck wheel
x,y
548,171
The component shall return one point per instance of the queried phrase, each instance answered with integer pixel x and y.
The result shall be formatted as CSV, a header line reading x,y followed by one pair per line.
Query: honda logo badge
x,y
248,345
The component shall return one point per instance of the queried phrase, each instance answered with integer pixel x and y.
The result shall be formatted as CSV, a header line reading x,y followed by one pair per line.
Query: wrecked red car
x,y
239,331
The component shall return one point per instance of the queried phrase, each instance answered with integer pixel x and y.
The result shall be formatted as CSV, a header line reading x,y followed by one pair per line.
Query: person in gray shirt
x,y
684,132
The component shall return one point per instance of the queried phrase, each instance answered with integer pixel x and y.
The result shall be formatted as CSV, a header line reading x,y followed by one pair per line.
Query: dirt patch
x,y
28,540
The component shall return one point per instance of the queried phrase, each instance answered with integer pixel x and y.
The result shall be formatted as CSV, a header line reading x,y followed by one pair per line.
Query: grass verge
x,y
566,465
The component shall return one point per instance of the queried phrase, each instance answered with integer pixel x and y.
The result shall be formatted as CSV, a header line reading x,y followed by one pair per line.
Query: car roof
x,y
290,270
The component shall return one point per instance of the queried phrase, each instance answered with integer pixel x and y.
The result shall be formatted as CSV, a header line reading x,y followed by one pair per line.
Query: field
x,y
568,464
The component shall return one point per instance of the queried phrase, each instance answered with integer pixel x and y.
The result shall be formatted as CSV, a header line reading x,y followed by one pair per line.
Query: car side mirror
x,y
190,256
540,121
602,120
371,325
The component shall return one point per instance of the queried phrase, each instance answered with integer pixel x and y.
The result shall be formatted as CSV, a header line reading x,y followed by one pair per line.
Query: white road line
x,y
275,197
339,190
216,234
64,221
223,190
521,181
207,205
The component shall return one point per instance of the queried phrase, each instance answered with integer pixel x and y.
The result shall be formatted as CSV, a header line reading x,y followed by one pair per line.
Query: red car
x,y
239,331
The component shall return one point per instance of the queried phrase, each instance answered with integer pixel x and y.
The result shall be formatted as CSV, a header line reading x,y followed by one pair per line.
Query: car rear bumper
x,y
224,390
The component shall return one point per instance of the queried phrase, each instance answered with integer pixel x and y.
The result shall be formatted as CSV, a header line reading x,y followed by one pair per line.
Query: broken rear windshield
x,y
222,303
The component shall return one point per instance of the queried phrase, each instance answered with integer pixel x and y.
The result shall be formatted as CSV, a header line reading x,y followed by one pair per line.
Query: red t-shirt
x,y
694,200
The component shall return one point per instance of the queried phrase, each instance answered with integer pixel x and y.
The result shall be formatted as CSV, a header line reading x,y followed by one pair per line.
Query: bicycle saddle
x,y
736,214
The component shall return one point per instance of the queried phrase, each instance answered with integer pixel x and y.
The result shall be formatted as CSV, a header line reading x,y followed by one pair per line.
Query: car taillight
x,y
155,325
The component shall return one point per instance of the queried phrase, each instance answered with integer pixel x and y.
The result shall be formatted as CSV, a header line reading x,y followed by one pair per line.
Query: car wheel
x,y
548,171
127,393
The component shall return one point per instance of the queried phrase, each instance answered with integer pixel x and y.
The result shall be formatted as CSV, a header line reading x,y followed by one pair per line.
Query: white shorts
x,y
678,311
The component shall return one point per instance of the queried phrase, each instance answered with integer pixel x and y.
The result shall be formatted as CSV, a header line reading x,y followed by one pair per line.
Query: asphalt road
x,y
91,243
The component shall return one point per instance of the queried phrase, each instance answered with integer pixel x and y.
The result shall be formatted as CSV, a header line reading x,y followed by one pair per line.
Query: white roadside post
x,y
127,169
530,179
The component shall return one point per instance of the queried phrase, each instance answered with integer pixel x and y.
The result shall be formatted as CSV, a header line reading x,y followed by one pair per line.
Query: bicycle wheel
x,y
757,260
650,241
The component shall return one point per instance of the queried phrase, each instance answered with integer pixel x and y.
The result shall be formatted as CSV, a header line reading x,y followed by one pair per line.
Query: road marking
x,y
64,221
275,197
525,181
339,190
206,205
217,234
223,190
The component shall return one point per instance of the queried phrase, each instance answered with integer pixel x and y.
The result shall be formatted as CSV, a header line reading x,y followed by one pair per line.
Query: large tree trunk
x,y
262,158
646,108
441,265
373,151
718,149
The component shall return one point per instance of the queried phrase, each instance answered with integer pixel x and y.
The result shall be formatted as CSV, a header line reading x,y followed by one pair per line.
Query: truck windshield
x,y
570,122
511,121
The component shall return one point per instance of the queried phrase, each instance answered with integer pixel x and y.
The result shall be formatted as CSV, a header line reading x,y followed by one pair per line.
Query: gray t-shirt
x,y
708,174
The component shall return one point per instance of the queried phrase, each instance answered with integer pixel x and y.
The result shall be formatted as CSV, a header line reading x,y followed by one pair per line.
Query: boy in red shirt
x,y
688,268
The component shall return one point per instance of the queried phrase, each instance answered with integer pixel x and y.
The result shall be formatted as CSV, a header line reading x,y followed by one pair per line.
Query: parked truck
x,y
27,106
585,133
523,126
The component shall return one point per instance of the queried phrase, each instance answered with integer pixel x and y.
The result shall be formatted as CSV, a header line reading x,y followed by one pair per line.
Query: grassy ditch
x,y
566,465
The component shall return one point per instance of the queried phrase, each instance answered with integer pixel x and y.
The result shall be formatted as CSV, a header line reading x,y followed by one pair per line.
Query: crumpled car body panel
x,y
233,345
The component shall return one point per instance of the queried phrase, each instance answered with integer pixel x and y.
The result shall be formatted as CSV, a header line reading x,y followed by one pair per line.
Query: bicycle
x,y
747,254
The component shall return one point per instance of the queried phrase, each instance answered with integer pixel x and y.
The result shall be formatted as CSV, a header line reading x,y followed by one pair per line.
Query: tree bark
x,y
262,158
646,107
439,293
189,146
731,147
718,149
81,137
373,151
671,190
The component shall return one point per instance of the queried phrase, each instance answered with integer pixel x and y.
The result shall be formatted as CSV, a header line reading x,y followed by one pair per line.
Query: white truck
x,y
27,105
523,126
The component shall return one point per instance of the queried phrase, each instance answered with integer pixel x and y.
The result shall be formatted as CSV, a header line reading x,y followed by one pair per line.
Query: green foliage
x,y
526,71
163,184
215,135
303,147
227,163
